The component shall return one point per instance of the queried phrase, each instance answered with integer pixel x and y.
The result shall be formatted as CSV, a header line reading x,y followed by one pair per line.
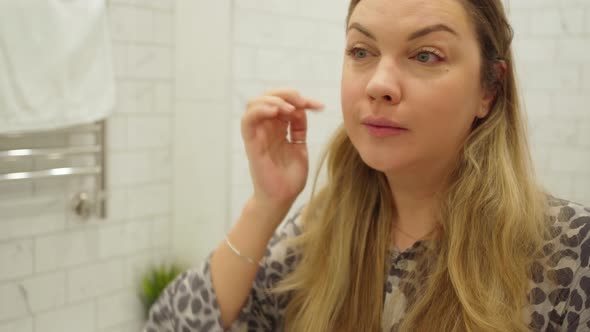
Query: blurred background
x,y
175,173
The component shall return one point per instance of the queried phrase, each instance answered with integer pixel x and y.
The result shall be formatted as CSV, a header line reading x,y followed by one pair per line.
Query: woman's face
x,y
413,64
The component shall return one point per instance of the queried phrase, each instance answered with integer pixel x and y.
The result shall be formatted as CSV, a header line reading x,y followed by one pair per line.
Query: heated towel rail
x,y
86,141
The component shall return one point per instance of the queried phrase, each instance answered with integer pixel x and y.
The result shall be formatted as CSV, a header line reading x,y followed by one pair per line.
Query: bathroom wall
x,y
61,274
202,101
551,44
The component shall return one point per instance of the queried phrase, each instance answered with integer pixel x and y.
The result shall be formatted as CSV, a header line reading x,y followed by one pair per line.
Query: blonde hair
x,y
474,276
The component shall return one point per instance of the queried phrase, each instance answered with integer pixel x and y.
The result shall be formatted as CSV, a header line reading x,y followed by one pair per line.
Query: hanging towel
x,y
56,66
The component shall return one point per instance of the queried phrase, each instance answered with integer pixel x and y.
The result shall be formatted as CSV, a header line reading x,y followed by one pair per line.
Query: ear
x,y
500,69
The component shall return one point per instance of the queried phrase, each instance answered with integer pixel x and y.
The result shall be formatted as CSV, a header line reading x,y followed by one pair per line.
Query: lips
x,y
382,122
383,127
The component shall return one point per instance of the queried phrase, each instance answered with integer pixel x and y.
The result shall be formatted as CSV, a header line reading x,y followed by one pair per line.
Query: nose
x,y
384,85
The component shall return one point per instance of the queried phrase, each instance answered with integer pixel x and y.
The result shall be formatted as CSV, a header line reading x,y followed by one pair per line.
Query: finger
x,y
268,102
293,97
314,104
252,119
298,127
279,102
271,101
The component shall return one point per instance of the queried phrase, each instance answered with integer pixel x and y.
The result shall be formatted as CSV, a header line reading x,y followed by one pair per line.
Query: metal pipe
x,y
49,173
55,153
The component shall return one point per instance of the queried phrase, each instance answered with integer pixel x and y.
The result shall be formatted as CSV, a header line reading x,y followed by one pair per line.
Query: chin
x,y
385,163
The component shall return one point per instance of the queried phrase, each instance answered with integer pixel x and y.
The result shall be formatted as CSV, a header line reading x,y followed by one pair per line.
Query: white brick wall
x,y
17,258
58,274
19,325
551,43
79,317
201,127
45,291
118,308
12,303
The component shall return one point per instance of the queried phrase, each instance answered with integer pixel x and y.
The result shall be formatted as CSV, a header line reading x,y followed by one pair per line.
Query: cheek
x,y
447,111
352,92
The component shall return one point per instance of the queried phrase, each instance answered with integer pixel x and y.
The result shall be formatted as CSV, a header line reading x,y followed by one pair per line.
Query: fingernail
x,y
319,106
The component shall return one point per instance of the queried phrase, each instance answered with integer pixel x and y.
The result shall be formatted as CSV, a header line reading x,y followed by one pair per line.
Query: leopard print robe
x,y
559,294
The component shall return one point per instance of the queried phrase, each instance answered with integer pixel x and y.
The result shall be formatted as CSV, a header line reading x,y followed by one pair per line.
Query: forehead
x,y
394,16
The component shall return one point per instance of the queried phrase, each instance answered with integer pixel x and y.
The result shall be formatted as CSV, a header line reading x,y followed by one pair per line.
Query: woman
x,y
430,220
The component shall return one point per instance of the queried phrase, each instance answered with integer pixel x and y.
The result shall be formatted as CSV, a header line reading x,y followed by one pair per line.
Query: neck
x,y
416,198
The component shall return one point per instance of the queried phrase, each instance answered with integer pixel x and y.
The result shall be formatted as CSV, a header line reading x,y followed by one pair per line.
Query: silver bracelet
x,y
237,252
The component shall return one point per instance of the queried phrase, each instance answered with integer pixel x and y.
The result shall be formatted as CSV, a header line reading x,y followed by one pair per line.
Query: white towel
x,y
56,65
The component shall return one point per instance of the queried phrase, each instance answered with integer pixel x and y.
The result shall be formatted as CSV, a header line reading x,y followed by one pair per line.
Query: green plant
x,y
155,281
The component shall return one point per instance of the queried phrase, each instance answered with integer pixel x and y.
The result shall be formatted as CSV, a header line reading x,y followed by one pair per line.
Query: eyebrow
x,y
430,29
415,35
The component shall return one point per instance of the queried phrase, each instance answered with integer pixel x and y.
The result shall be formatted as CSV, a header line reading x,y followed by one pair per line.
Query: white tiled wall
x,y
201,129
59,274
299,44
551,43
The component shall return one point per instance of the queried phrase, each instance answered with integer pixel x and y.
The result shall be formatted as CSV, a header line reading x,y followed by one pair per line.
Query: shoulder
x,y
569,263
567,252
560,290
566,209
570,223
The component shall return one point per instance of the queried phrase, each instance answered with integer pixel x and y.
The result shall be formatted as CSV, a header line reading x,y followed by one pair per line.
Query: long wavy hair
x,y
475,274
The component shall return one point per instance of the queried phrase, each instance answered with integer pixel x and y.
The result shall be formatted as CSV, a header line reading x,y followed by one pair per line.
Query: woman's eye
x,y
358,53
427,57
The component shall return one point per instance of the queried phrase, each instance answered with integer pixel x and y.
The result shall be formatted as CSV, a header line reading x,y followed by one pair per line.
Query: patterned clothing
x,y
189,303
